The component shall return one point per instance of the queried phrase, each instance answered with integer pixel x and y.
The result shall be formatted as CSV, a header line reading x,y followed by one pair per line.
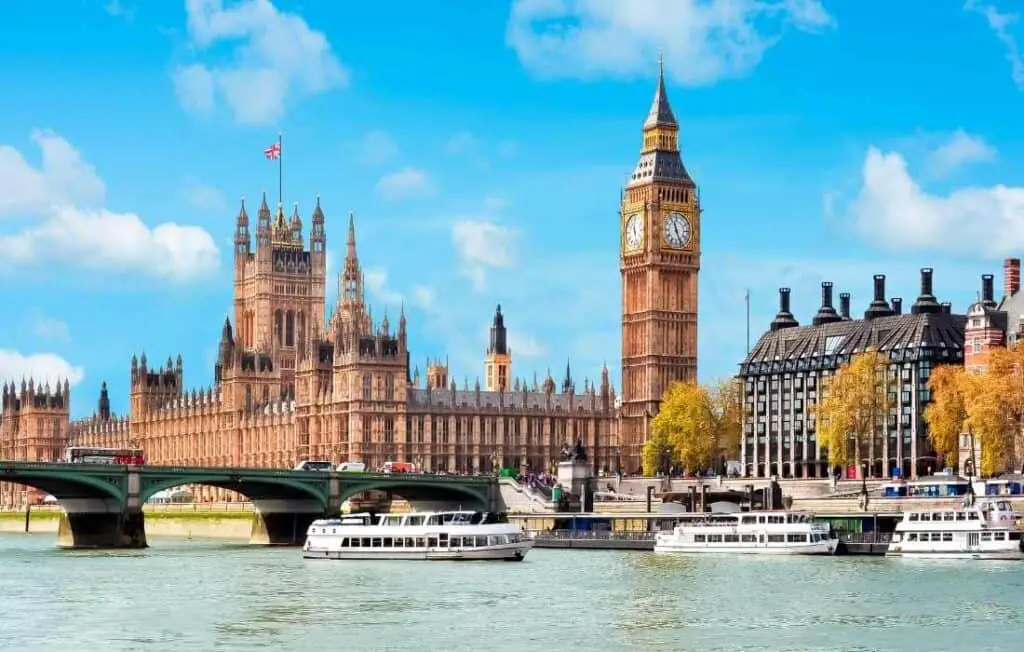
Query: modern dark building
x,y
783,372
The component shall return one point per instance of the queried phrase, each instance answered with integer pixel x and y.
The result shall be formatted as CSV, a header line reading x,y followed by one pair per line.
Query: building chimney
x,y
946,307
784,318
987,291
879,306
897,305
926,302
1011,276
826,313
844,305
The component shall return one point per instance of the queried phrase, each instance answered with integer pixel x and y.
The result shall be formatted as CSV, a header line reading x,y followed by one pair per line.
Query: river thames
x,y
195,595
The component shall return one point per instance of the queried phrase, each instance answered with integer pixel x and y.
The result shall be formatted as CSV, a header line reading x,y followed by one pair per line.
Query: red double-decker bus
x,y
91,455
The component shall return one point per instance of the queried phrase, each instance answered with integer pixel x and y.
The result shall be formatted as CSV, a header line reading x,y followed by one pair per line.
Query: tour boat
x,y
755,532
454,535
987,530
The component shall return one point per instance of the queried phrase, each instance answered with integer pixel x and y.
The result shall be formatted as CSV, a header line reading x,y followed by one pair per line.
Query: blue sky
x,y
482,147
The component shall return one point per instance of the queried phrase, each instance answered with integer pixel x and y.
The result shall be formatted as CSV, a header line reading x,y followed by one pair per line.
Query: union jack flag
x,y
273,152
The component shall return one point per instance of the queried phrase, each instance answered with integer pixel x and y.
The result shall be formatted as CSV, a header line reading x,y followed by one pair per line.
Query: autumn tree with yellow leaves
x,y
852,411
694,426
994,404
952,390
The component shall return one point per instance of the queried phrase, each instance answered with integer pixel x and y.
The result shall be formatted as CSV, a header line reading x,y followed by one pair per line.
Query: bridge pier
x,y
124,529
283,522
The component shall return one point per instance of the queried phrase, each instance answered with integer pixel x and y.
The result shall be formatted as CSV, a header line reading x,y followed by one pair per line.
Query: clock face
x,y
677,230
634,232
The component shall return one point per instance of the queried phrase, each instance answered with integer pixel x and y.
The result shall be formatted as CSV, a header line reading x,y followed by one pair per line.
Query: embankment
x,y
234,525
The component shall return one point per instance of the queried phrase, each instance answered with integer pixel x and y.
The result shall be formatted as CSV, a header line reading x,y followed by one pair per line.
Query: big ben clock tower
x,y
659,260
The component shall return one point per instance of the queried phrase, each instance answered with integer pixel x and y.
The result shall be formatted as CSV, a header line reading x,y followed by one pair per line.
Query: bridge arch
x,y
65,488
255,489
415,490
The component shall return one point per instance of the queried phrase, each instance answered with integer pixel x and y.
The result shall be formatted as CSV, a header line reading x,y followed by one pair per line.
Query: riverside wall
x,y
200,522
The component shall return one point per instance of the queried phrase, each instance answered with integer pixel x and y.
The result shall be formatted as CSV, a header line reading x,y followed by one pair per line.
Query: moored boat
x,y
755,532
452,535
986,530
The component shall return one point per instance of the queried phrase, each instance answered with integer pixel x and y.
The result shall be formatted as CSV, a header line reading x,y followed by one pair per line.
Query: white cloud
x,y
702,40
480,245
961,149
194,86
51,329
524,345
62,178
408,182
43,367
276,56
204,197
64,197
1000,24
423,296
118,10
377,284
377,147
894,212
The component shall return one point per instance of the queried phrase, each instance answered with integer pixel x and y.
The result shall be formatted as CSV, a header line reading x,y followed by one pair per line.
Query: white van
x,y
314,465
352,467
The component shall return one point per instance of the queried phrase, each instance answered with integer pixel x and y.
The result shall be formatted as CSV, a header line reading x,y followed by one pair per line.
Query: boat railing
x,y
593,535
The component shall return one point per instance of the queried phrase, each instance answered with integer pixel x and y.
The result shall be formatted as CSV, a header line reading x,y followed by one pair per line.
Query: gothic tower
x,y
659,261
279,289
498,364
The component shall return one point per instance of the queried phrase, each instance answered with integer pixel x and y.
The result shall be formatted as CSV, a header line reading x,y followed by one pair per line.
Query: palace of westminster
x,y
291,383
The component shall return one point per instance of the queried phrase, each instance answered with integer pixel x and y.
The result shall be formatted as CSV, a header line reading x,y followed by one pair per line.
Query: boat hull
x,y
1005,554
510,552
827,547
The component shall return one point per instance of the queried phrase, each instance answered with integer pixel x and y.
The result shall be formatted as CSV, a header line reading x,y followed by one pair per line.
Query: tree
x,y
727,404
946,415
995,408
853,408
690,425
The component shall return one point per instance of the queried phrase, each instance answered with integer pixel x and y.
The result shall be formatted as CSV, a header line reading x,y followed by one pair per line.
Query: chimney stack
x,y
946,307
897,305
987,291
784,318
879,306
1011,276
926,302
826,313
844,305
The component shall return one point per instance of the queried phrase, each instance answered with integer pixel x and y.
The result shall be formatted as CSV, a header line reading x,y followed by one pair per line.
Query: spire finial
x,y
661,65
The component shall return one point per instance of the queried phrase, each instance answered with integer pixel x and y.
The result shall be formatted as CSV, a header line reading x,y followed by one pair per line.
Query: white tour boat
x,y
987,530
756,532
417,535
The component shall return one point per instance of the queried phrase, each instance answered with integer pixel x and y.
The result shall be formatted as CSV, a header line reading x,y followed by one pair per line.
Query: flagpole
x,y
280,169
746,300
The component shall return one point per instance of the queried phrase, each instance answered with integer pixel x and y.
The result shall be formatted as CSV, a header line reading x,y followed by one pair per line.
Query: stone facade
x,y
290,386
659,261
33,427
785,370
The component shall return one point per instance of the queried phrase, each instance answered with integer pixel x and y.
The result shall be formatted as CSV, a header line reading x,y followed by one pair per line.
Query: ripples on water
x,y
186,595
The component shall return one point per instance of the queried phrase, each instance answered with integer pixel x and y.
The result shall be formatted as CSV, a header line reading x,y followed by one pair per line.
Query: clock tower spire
x,y
659,221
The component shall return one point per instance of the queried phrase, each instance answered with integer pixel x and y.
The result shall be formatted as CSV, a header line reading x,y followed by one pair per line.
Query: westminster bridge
x,y
102,503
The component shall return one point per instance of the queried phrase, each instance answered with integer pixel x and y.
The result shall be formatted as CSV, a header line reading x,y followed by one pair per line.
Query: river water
x,y
190,596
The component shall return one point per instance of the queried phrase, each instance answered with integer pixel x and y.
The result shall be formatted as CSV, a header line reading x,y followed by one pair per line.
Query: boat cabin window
x,y
999,536
749,538
926,516
914,516
698,538
947,536
796,538
760,519
431,542
948,516
961,516
732,538
776,538
748,520
392,519
714,538
414,519
986,536
912,536
972,516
